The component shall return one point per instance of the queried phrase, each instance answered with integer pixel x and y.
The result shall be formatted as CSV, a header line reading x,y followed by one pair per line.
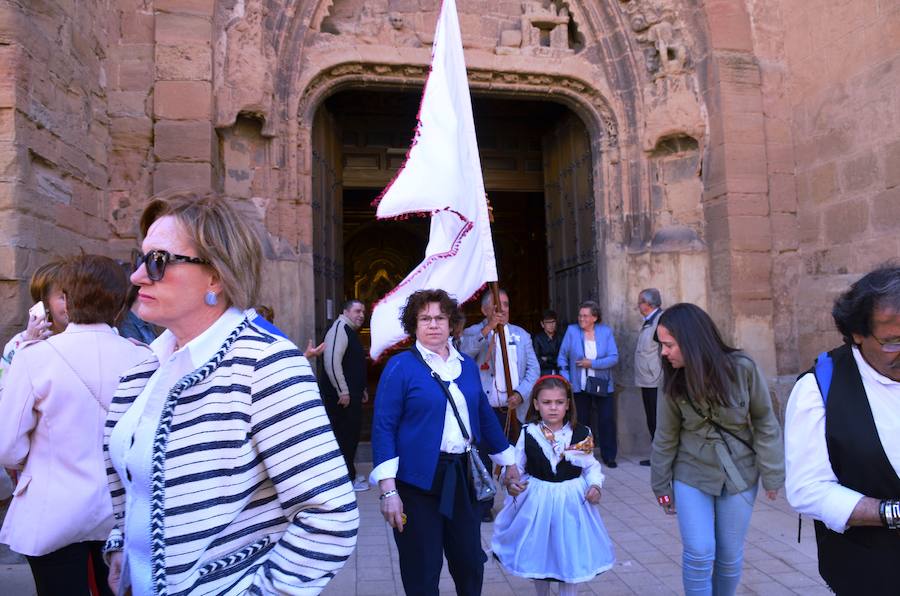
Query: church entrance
x,y
537,166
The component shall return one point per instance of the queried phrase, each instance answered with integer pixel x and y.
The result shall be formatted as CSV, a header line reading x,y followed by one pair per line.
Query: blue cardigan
x,y
572,350
409,417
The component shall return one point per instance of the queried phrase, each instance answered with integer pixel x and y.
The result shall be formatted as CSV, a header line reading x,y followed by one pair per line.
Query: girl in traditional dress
x,y
550,528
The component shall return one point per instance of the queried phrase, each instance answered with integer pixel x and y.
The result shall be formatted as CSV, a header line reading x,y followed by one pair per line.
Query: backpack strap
x,y
824,370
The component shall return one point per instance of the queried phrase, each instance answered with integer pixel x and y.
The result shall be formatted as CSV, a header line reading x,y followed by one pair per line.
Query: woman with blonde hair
x,y
225,475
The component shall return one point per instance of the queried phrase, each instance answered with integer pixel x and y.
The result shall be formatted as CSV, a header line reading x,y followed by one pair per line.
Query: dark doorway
x,y
537,167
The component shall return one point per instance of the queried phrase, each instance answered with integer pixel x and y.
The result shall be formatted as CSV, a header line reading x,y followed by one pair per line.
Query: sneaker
x,y
360,484
644,462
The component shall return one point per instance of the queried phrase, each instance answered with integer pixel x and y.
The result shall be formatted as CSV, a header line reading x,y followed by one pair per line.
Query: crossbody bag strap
x,y
80,378
445,389
718,426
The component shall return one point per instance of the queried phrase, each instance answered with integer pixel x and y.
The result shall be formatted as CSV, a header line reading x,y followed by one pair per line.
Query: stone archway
x,y
595,161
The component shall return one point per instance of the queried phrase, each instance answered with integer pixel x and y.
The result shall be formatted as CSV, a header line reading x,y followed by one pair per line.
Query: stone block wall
x,y
54,132
840,85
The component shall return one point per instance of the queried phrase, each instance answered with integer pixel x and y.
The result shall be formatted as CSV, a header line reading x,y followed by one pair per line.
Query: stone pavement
x,y
648,550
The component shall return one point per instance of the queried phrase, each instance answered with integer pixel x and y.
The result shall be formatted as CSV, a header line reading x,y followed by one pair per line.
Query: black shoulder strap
x,y
718,426
444,388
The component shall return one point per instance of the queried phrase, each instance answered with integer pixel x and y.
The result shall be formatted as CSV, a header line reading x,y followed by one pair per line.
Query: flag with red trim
x,y
440,178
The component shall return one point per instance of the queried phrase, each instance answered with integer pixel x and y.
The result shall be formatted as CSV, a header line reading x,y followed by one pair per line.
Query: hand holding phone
x,y
38,325
37,311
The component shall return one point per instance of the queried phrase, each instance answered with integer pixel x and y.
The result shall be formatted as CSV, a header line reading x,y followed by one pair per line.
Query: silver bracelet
x,y
386,494
892,514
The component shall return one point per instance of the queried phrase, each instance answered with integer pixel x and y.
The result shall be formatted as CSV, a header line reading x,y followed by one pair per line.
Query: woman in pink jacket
x,y
54,403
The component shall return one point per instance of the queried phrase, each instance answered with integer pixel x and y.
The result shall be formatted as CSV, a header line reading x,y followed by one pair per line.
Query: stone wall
x,y
834,71
54,135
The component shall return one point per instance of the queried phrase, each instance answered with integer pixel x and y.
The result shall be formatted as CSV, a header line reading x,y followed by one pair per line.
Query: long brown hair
x,y
708,367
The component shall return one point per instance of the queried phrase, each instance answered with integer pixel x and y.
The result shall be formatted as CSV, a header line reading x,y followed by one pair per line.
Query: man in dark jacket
x,y
547,342
344,383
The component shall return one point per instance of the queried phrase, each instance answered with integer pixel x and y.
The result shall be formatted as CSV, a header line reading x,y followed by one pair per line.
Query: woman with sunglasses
x,y
225,475
716,437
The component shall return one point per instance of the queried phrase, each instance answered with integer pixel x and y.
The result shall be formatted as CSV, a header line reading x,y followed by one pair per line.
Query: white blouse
x,y
131,441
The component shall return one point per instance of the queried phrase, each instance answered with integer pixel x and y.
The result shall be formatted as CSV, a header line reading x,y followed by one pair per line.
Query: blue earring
x,y
211,299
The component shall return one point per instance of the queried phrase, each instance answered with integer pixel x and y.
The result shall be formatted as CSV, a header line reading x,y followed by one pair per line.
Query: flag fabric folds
x,y
441,178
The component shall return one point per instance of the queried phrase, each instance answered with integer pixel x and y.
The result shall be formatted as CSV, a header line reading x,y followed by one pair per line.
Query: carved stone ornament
x,y
543,31
245,61
661,40
373,24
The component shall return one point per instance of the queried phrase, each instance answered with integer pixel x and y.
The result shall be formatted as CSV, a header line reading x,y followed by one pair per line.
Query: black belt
x,y
502,410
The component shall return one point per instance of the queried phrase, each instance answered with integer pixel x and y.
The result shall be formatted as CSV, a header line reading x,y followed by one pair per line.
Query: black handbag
x,y
480,478
597,386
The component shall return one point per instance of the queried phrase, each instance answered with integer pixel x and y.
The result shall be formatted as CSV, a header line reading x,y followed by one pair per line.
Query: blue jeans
x,y
712,532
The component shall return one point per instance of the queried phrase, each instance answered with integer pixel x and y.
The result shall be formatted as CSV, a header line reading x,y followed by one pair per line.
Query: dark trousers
x,y
65,571
428,535
599,413
648,395
346,424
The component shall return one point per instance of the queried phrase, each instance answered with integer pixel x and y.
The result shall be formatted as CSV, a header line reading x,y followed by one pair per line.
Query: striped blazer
x,y
249,491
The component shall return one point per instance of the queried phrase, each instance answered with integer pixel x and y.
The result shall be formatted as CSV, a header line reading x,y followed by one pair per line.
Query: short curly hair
x,y
419,300
853,310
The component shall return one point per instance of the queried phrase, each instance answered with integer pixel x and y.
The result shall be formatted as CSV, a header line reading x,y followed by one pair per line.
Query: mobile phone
x,y
38,311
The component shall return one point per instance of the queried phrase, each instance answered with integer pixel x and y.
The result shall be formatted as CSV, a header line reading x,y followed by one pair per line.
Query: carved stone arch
x,y
583,98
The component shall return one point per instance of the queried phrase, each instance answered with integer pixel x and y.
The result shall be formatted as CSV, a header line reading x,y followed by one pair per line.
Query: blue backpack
x,y
824,370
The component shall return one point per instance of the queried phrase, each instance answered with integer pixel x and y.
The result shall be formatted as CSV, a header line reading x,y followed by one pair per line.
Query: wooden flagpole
x,y
511,420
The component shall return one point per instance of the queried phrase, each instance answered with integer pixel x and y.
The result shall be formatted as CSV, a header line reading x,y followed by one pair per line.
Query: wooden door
x,y
327,210
571,221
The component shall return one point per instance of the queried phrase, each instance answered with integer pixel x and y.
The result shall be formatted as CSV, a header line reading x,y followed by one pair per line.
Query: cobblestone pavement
x,y
648,551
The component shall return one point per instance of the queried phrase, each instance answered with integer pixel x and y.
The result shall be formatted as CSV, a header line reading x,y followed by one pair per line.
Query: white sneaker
x,y
360,484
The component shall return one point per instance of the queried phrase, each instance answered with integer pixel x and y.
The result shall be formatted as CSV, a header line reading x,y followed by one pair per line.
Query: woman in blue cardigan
x,y
420,450
589,350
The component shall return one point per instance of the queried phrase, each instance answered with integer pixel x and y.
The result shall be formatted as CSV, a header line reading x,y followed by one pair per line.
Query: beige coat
x,y
51,426
647,368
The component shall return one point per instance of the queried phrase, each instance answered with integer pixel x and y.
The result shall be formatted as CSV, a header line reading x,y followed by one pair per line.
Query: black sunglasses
x,y
157,260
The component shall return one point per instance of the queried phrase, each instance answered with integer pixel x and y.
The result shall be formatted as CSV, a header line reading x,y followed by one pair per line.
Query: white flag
x,y
442,177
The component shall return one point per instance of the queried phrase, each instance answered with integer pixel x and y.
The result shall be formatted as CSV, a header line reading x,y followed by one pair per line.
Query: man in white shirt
x,y
842,441
482,343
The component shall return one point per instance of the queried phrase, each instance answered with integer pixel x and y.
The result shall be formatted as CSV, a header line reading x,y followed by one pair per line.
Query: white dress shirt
x,y
590,352
452,440
811,486
496,391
